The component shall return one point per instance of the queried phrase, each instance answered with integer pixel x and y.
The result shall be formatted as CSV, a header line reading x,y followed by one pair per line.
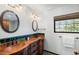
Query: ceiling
x,y
47,7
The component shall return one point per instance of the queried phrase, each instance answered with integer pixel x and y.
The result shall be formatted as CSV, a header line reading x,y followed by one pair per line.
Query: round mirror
x,y
9,21
34,25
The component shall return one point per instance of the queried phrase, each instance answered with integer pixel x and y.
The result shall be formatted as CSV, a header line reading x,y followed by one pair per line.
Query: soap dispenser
x,y
28,38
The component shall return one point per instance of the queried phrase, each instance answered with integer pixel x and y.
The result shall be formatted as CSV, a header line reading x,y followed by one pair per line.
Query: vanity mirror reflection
x,y
9,21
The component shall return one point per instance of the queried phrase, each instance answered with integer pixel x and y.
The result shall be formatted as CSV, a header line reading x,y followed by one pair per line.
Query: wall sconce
x,y
15,6
35,17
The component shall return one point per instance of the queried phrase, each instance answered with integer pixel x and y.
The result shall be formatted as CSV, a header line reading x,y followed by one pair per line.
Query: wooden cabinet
x,y
33,46
36,48
41,46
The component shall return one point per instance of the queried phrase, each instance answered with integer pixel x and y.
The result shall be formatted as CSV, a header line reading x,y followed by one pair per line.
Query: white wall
x,y
25,26
53,43
40,11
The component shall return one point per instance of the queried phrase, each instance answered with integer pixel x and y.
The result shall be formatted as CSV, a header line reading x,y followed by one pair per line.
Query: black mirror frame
x,y
33,25
1,21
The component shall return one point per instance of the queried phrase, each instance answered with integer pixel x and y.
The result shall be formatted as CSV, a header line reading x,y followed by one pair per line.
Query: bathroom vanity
x,y
31,45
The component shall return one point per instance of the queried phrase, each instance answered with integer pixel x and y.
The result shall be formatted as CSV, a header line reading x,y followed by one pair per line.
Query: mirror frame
x,y
34,29
1,20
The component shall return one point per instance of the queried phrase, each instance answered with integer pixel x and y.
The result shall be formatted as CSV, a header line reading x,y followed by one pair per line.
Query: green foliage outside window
x,y
68,26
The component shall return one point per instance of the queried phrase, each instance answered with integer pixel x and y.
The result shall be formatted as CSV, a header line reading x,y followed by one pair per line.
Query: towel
x,y
68,42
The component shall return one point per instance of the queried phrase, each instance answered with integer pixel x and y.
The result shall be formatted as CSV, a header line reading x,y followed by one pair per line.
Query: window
x,y
66,23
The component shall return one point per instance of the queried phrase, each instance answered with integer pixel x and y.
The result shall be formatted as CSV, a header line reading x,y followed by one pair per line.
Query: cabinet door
x,y
41,46
76,46
26,51
34,48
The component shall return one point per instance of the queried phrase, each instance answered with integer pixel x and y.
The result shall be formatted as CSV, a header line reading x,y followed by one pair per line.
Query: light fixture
x,y
34,16
16,6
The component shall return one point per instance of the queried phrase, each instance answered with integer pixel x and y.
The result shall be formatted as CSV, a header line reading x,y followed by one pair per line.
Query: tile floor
x,y
47,53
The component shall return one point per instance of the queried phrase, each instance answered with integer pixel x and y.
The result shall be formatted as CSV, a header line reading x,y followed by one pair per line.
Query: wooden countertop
x,y
18,47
